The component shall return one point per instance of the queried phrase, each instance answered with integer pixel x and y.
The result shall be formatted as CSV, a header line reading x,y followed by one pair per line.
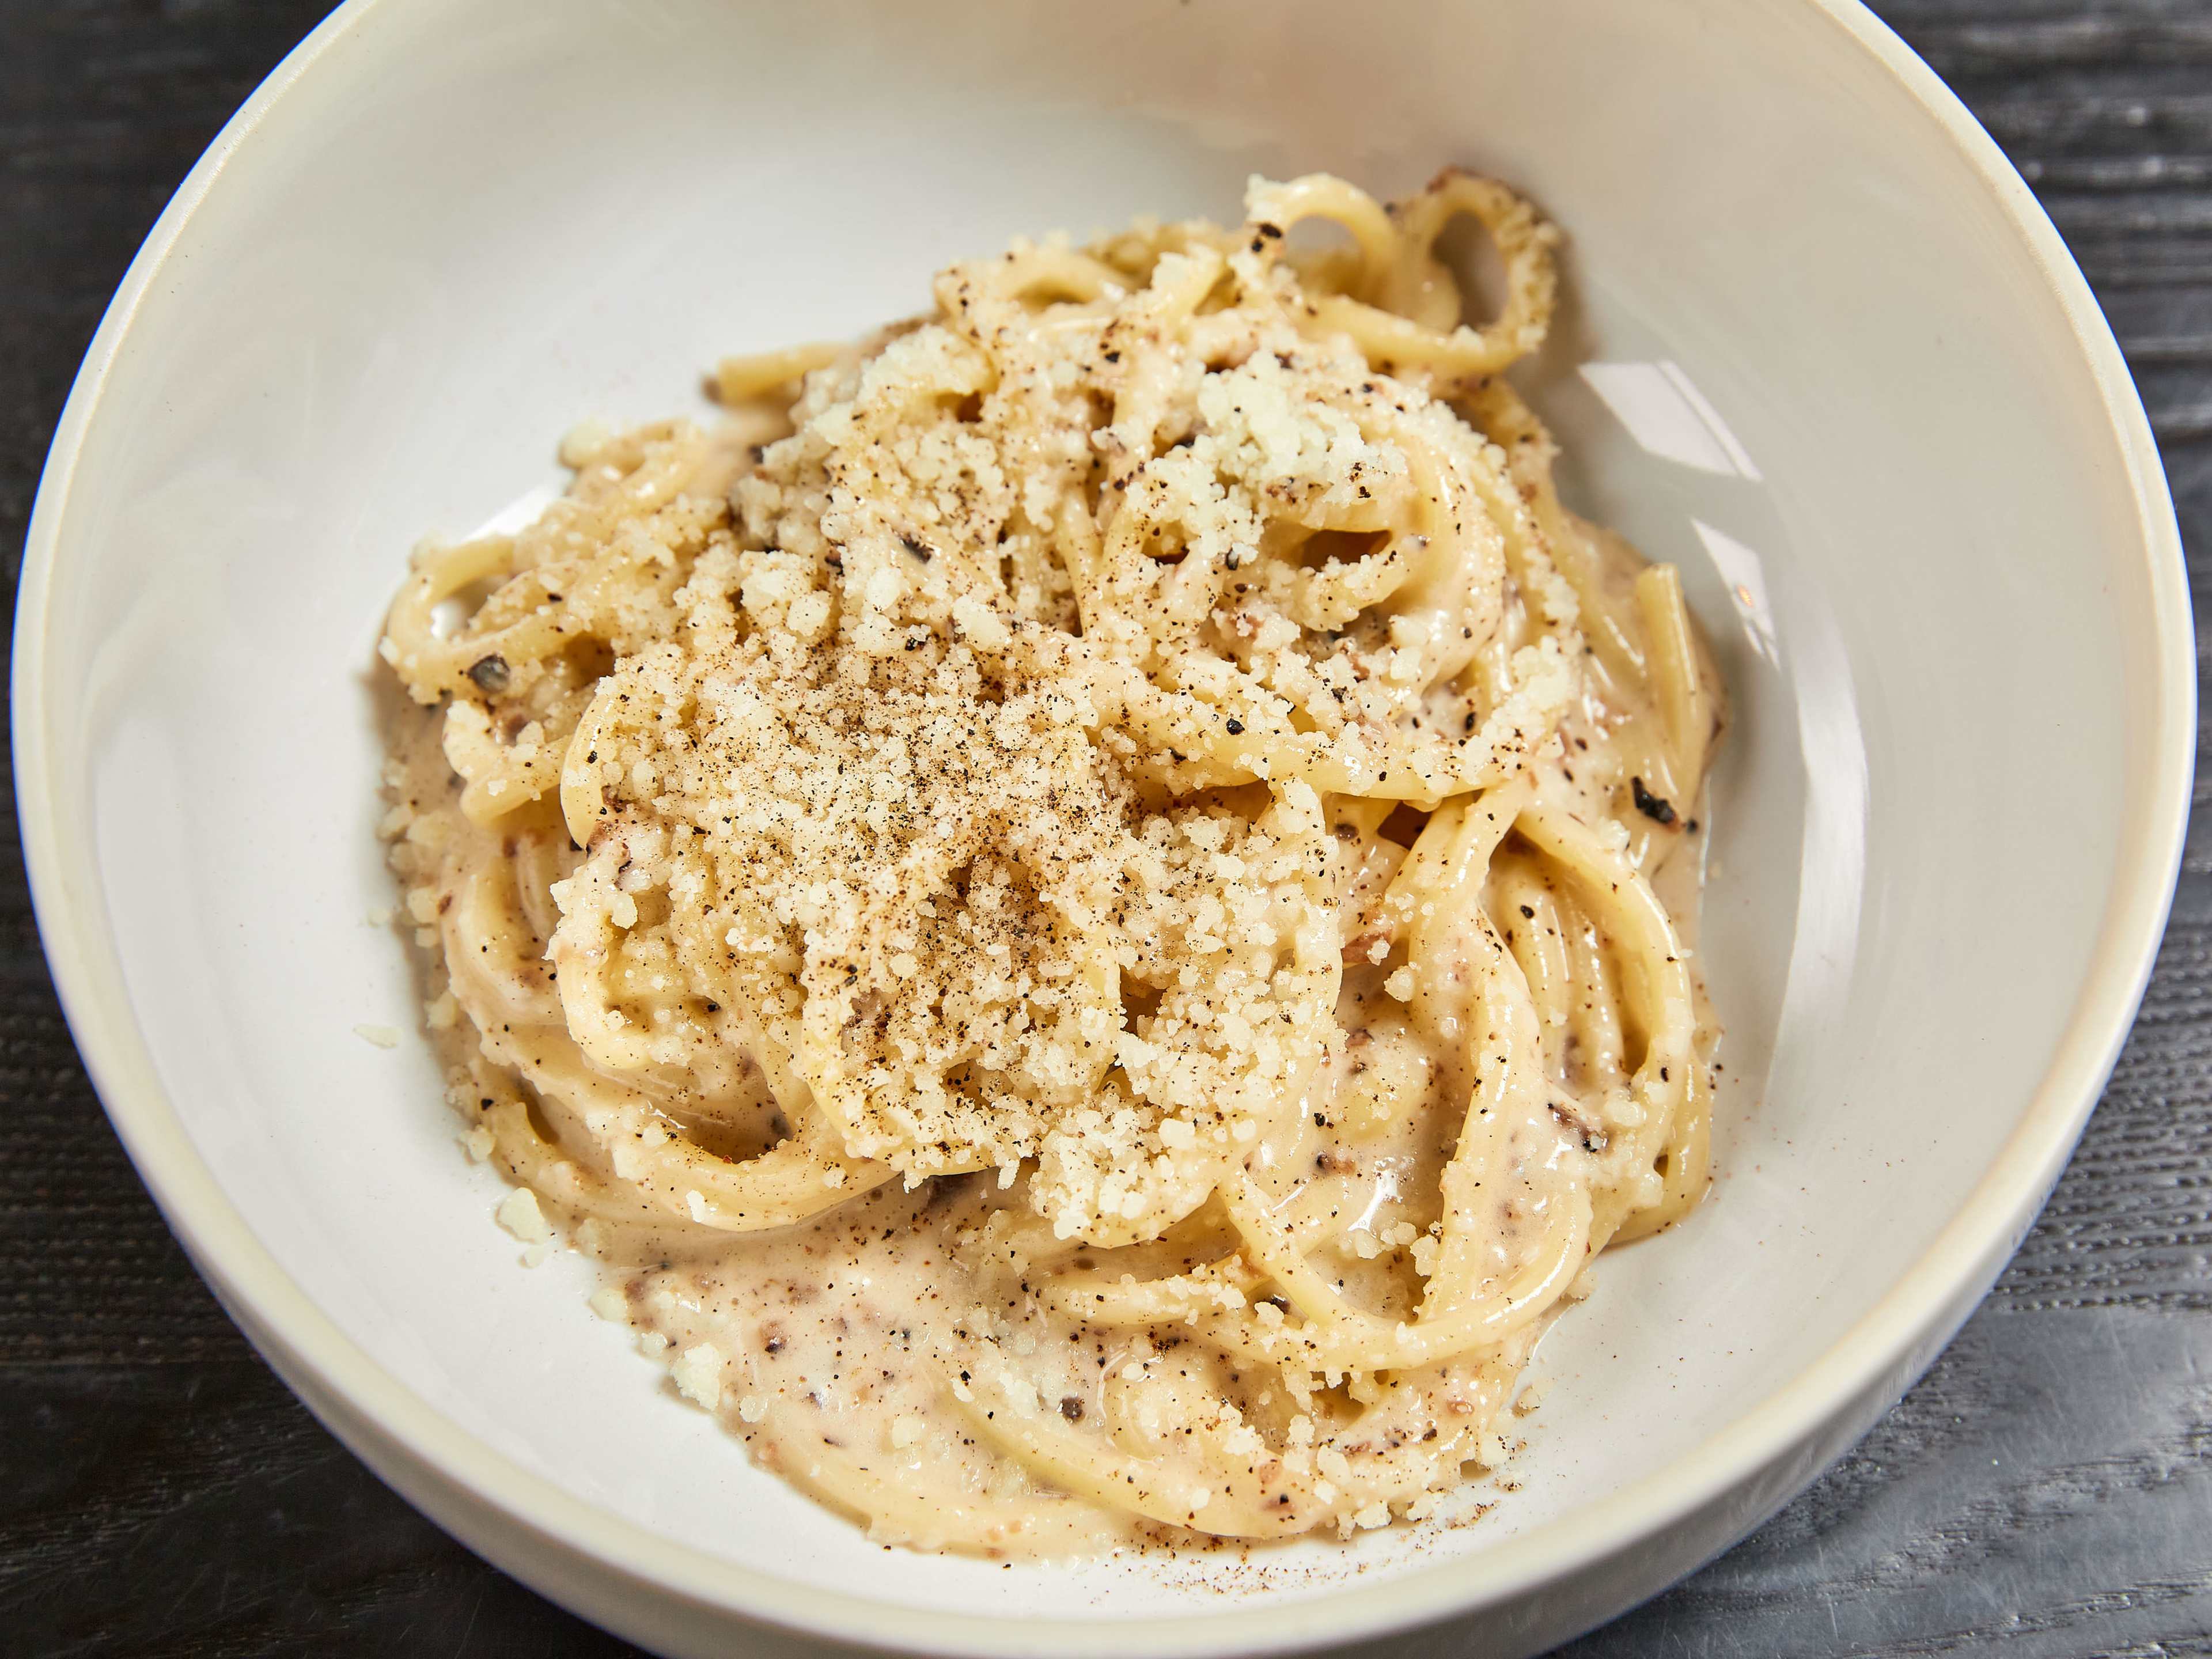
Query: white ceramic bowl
x,y
1848,378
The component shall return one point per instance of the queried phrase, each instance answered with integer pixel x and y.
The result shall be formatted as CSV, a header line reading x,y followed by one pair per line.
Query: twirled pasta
x,y
1068,894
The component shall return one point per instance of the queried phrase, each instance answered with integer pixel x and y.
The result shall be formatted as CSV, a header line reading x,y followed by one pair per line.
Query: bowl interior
x,y
1805,356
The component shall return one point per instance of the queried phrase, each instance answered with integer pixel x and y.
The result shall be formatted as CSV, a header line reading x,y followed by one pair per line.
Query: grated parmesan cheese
x,y
698,1373
519,1213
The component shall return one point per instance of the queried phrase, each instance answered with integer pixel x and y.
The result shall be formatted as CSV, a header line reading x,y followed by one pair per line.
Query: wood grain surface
x,y
2046,1490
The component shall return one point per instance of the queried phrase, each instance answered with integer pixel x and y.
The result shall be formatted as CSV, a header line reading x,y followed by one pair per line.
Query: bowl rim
x,y
387,1423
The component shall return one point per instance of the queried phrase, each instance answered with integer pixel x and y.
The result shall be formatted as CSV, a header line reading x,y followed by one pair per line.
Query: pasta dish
x,y
1066,895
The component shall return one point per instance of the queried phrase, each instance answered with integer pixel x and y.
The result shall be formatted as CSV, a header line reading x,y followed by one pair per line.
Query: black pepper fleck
x,y
1652,807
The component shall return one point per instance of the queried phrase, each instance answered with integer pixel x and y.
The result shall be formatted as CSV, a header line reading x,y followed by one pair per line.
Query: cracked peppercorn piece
x,y
1652,807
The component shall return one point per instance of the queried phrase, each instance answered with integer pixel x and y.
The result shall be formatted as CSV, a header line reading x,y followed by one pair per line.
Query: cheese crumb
x,y
610,1304
519,1213
698,1375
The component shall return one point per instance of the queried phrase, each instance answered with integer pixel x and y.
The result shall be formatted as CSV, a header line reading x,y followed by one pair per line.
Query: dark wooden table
x,y
2048,1487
